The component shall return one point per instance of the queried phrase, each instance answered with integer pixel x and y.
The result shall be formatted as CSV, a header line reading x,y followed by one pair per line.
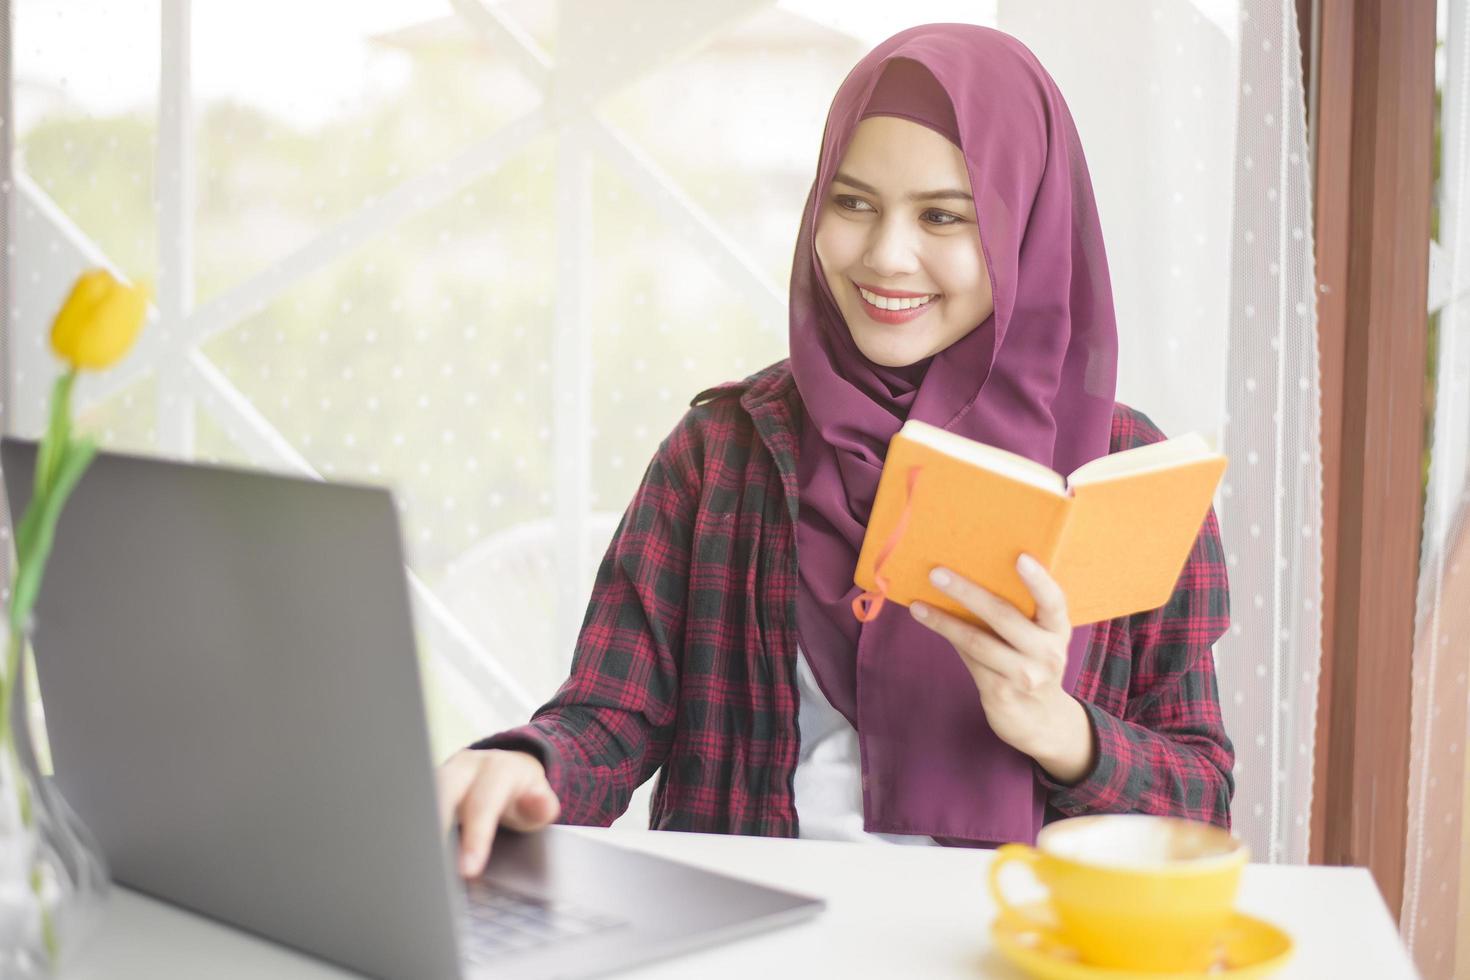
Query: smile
x,y
895,302
894,309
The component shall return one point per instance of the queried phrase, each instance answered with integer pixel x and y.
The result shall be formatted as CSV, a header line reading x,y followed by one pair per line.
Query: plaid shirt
x,y
686,661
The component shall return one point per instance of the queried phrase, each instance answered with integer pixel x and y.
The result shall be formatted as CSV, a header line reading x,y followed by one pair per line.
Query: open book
x,y
1114,534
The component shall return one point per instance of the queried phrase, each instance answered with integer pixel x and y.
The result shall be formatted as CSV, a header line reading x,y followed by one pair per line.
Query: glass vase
x,y
53,879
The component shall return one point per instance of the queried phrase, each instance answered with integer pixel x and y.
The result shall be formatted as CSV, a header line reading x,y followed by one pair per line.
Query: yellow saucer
x,y
1252,948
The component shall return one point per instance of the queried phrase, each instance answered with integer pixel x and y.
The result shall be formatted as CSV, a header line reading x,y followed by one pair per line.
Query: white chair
x,y
503,589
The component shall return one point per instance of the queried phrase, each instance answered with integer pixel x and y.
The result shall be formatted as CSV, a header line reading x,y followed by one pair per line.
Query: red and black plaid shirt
x,y
686,661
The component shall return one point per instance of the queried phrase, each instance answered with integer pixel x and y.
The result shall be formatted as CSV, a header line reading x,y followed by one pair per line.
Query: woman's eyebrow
x,y
915,196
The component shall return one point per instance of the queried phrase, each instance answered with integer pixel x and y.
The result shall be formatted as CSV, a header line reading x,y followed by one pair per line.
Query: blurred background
x,y
485,252
398,244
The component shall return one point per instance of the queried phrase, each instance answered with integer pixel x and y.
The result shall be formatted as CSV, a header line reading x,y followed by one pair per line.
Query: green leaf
x,y
23,594
77,457
58,434
25,534
53,448
74,462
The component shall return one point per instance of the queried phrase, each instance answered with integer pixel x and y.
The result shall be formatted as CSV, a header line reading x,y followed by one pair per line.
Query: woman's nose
x,y
892,251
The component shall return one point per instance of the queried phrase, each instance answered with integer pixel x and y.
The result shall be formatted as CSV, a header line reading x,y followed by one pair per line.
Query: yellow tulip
x,y
99,320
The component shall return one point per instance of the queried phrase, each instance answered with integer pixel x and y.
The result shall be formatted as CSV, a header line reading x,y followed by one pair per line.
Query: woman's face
x,y
898,228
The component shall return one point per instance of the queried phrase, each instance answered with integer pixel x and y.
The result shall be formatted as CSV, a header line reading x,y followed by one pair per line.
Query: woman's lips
x,y
894,316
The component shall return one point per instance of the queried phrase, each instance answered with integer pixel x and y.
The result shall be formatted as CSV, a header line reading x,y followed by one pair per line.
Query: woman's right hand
x,y
484,788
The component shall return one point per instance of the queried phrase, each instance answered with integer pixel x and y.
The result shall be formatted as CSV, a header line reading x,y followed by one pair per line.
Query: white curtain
x,y
474,250
1272,507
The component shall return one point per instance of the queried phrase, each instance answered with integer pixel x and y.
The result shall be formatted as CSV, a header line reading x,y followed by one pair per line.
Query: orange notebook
x,y
1114,534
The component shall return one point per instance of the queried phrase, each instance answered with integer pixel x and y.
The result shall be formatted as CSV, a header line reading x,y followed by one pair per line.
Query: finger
x,y
1051,602
479,816
982,649
533,808
450,782
1001,616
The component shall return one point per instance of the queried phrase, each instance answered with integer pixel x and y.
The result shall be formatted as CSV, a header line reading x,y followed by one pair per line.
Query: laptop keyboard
x,y
502,922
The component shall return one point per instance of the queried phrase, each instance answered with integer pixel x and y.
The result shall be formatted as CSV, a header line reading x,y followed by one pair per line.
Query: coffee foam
x,y
1131,841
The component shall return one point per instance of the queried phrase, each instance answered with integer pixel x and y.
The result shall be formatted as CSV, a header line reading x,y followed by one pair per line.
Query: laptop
x,y
228,667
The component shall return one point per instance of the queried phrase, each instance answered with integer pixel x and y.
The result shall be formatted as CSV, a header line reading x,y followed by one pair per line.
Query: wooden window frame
x,y
1369,66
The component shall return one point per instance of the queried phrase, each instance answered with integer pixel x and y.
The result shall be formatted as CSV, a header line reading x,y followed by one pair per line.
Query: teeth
x,y
891,303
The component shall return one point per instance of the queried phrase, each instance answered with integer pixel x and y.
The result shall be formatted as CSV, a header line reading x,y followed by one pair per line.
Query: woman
x,y
950,268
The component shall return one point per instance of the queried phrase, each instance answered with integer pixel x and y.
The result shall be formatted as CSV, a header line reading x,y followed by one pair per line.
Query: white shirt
x,y
828,784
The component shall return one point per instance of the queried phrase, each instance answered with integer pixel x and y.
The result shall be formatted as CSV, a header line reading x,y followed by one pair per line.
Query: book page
x,y
1144,459
1127,539
986,457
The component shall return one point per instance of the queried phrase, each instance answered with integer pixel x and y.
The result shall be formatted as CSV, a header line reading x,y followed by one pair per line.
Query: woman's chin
x,y
893,355
897,361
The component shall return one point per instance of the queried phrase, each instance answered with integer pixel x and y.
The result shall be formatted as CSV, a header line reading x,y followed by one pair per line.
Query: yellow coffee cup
x,y
1130,891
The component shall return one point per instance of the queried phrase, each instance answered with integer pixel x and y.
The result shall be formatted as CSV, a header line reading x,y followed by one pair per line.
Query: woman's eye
x,y
939,219
848,203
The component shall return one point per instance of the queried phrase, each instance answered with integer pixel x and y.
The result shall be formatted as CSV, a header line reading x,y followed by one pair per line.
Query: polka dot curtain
x,y
473,251
1271,501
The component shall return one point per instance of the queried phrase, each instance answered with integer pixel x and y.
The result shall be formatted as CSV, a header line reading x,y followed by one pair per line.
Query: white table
x,y
891,912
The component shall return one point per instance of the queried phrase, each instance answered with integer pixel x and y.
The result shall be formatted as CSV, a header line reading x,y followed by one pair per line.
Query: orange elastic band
x,y
868,605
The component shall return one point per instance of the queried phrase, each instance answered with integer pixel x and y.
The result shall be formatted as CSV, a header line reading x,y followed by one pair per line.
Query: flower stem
x,y
7,729
12,671
14,652
48,927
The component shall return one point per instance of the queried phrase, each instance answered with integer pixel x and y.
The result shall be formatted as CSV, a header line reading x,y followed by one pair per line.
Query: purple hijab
x,y
1036,377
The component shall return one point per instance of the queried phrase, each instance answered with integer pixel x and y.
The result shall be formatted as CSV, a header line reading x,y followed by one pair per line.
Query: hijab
x,y
1036,377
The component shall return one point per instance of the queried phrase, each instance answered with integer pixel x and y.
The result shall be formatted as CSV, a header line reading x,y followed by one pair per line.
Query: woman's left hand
x,y
1018,668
